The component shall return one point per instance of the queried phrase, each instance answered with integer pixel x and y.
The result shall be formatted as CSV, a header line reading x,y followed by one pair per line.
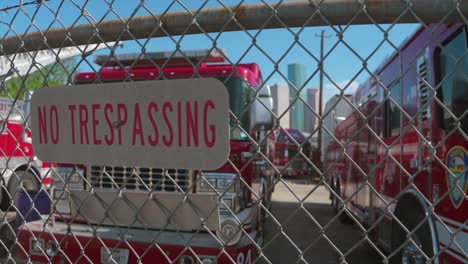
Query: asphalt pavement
x,y
303,228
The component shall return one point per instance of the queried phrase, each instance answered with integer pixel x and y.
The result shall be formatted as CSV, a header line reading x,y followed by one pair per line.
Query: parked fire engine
x,y
291,151
18,163
402,158
238,183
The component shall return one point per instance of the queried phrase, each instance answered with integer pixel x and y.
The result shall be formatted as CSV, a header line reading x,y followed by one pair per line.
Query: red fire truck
x,y
400,164
291,151
18,163
238,183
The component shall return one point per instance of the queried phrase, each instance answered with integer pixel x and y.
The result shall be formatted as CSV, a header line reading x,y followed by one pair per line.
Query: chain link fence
x,y
242,132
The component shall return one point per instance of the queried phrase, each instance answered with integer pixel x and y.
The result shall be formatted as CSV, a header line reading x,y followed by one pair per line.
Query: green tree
x,y
53,75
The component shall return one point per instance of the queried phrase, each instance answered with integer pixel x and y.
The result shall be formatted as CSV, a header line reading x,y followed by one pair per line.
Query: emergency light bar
x,y
160,58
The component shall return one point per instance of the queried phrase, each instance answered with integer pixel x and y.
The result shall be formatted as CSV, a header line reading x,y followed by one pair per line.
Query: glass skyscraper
x,y
297,78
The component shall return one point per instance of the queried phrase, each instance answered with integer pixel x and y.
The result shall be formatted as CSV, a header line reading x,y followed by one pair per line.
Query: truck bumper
x,y
82,243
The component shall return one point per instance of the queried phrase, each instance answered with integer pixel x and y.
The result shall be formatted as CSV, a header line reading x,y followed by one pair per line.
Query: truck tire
x,y
4,201
334,199
28,179
262,214
8,236
268,192
411,252
337,205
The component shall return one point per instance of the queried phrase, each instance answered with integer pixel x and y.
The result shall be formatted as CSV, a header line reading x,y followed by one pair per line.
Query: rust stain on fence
x,y
248,17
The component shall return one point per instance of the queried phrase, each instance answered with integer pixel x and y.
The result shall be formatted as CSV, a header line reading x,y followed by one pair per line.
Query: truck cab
x,y
399,163
163,210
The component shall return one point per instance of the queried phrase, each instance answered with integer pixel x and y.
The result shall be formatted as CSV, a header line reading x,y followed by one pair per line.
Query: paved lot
x,y
293,231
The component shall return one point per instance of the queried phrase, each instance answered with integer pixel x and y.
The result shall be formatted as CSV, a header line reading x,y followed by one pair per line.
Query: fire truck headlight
x,y
68,176
229,231
65,178
220,182
51,248
207,260
186,260
225,184
36,246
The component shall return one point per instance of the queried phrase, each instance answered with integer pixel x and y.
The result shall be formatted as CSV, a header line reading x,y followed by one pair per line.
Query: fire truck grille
x,y
140,179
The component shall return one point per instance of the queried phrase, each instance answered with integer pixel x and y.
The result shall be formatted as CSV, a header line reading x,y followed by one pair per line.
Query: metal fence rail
x,y
353,151
240,17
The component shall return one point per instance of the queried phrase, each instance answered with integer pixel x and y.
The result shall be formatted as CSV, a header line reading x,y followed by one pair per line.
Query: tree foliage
x,y
53,75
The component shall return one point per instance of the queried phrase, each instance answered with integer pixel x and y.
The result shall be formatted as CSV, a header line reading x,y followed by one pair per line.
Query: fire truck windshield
x,y
240,94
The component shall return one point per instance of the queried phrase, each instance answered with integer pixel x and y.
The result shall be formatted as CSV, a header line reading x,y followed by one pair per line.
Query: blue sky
x,y
342,66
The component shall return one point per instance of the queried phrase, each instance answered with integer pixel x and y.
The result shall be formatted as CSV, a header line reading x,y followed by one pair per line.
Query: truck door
x,y
391,173
374,131
450,174
367,159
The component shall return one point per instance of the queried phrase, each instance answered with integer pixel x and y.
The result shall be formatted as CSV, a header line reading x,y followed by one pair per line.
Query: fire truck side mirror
x,y
262,110
338,119
27,110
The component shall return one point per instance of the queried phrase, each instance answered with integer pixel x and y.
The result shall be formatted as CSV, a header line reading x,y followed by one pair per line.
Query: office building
x,y
311,111
297,78
280,94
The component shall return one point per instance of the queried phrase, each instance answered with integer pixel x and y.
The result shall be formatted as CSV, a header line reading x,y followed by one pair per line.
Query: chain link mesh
x,y
369,166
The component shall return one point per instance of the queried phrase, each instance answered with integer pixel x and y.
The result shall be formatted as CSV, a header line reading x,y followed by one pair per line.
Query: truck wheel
x,y
268,192
337,205
8,236
28,179
262,215
411,251
4,201
333,197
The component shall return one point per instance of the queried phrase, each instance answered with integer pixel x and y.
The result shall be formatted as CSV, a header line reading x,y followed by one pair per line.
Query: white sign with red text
x,y
180,124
